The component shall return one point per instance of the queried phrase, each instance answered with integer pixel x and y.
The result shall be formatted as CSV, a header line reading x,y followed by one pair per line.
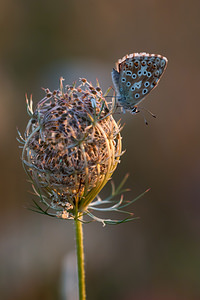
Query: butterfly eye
x,y
134,110
139,73
123,79
149,63
143,63
146,84
145,72
156,74
128,84
149,74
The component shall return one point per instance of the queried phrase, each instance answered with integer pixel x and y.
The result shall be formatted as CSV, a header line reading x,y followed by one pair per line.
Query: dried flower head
x,y
72,146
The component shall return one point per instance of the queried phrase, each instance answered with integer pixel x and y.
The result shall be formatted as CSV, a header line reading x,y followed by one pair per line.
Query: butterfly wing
x,y
136,76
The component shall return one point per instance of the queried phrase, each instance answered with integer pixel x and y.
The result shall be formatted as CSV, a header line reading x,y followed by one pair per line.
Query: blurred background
x,y
157,256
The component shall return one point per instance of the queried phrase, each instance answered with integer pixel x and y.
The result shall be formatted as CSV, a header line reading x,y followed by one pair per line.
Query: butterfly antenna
x,y
145,120
149,112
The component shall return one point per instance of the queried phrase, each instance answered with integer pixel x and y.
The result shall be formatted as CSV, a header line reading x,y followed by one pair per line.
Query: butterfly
x,y
136,76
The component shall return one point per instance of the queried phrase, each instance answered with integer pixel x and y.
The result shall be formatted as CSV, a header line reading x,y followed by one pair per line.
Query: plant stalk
x,y
80,259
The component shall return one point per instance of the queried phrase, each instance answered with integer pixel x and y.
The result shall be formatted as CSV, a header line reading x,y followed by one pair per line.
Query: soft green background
x,y
157,257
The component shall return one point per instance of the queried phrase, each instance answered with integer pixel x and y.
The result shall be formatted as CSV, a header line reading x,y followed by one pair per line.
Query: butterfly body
x,y
136,76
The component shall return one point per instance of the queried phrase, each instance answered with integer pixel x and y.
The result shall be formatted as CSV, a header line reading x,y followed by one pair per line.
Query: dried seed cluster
x,y
72,146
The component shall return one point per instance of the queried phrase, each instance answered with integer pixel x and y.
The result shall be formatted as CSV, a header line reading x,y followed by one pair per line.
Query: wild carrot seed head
x,y
72,146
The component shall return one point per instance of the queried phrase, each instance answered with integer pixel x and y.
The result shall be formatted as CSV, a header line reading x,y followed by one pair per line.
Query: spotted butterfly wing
x,y
136,76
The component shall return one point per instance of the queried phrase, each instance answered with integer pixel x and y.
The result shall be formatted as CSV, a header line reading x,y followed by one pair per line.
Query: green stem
x,y
80,259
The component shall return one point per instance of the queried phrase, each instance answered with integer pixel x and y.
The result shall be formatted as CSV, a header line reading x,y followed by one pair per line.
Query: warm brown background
x,y
157,257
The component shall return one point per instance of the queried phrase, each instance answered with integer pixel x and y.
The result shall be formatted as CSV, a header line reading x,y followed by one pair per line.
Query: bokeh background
x,y
157,256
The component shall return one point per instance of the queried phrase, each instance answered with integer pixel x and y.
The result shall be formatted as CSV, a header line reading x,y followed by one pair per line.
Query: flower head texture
x,y
72,146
